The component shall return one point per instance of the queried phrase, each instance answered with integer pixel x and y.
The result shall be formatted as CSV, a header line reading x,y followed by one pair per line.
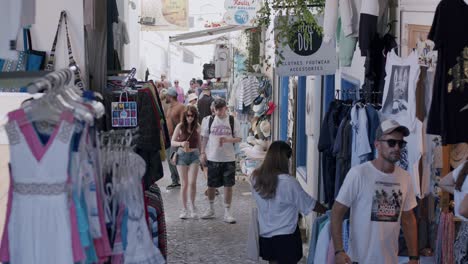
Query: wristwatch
x,y
413,257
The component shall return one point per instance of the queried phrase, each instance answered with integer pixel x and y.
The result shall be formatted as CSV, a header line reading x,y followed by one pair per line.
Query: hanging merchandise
x,y
51,62
372,22
450,94
28,59
124,114
90,205
40,133
121,38
399,97
209,71
222,61
346,137
399,103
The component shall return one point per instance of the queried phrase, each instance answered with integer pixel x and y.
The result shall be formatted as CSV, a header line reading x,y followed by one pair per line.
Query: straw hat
x,y
265,127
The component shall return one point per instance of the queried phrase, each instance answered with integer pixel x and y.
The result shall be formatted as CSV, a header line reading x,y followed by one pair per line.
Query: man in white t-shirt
x,y
219,135
381,196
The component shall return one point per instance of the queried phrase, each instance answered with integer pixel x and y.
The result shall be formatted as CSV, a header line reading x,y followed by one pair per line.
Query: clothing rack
x,y
52,80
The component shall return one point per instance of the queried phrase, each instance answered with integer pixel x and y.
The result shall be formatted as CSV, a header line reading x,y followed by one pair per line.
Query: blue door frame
x,y
301,137
283,107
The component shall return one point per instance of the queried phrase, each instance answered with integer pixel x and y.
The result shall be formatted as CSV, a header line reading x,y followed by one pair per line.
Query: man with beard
x,y
374,229
174,114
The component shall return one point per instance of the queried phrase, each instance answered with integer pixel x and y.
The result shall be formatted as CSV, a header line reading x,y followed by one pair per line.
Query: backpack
x,y
231,123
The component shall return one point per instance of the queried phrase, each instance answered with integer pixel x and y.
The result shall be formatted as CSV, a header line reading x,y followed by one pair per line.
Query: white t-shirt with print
x,y
459,196
376,200
399,96
220,128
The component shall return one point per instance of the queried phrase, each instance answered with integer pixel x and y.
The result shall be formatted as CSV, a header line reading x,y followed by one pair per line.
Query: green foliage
x,y
303,12
253,43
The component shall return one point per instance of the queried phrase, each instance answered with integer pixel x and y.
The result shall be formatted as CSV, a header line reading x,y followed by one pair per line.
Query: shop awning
x,y
206,32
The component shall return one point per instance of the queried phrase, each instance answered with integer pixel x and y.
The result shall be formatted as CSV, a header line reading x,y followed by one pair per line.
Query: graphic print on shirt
x,y
220,130
403,162
459,72
397,97
386,202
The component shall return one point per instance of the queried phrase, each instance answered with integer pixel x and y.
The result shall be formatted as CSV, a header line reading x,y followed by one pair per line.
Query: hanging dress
x,y
41,220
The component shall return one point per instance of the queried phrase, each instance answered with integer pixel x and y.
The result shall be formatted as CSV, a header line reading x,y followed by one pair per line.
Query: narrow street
x,y
207,241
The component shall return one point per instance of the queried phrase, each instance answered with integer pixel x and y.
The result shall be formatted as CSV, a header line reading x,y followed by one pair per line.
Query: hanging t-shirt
x,y
411,154
121,38
449,108
458,196
376,200
222,61
220,128
360,146
399,98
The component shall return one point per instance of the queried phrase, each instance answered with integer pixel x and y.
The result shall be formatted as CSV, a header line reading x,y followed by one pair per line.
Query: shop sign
x,y
305,53
241,12
164,15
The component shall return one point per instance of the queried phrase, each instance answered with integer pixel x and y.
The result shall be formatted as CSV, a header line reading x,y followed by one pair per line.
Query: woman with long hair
x,y
187,138
280,198
456,182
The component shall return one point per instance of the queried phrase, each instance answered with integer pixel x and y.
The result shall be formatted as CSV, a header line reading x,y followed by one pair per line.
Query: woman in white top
x,y
455,182
280,198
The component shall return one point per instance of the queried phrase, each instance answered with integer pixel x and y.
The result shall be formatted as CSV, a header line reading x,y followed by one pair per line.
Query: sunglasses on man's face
x,y
392,143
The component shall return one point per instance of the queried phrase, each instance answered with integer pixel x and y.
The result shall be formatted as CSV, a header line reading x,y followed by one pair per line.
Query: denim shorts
x,y
188,158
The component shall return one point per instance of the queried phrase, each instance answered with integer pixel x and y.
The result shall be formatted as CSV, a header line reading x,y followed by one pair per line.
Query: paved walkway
x,y
207,241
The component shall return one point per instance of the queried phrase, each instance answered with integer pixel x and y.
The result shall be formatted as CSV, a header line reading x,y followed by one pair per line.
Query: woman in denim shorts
x,y
186,138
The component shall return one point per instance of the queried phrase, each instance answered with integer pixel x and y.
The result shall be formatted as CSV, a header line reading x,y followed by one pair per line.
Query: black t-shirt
x,y
204,107
448,115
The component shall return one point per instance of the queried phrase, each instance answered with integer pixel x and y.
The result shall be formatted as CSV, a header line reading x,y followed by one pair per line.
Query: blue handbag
x,y
35,59
28,59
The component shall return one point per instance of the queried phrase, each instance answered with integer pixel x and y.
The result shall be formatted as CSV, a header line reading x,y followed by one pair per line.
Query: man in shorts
x,y
219,135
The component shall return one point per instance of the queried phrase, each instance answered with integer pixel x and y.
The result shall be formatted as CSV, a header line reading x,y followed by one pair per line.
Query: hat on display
x,y
254,124
265,127
458,154
260,109
259,134
271,108
255,152
172,92
243,146
251,140
388,126
258,100
263,143
192,97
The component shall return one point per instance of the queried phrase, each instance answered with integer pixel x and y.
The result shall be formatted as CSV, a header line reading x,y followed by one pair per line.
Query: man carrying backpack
x,y
219,135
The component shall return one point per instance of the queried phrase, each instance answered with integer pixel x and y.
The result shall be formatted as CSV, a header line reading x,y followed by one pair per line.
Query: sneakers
x,y
209,214
173,185
228,218
194,213
183,214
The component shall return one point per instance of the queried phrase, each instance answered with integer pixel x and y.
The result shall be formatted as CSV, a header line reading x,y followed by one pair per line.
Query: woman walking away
x,y
187,139
280,198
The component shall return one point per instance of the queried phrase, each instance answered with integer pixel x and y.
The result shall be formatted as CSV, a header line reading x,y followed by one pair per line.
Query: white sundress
x,y
39,224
